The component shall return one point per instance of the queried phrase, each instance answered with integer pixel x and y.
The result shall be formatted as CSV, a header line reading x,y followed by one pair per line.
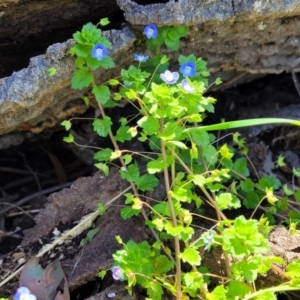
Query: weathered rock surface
x,y
241,40
31,100
238,38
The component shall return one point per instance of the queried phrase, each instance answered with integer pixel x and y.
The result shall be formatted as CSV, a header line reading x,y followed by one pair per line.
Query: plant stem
x,y
172,212
203,189
134,189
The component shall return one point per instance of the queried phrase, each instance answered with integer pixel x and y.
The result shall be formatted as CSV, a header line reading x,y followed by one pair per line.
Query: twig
x,y
74,232
39,193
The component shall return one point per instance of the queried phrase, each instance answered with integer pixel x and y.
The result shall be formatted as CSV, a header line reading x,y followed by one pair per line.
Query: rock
x,y
30,97
240,39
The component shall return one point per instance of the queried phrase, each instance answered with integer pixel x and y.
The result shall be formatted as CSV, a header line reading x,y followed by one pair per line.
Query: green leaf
x,y
101,208
127,159
90,34
86,100
92,63
210,154
247,185
201,138
51,72
225,152
103,155
198,179
296,172
269,182
193,279
240,166
102,274
107,63
91,233
247,269
115,154
154,290
293,269
104,21
132,173
149,124
163,265
297,195
113,82
127,212
123,134
155,166
102,126
224,200
219,293
102,93
103,167
67,124
191,256
178,144
146,182
81,79
164,59
237,289
218,81
251,200
172,44
82,50
244,238
69,138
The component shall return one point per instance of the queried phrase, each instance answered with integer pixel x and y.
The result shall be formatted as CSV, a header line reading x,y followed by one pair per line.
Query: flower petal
x,y
151,31
99,52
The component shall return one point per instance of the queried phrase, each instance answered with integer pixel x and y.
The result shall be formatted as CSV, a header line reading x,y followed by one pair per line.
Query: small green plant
x,y
196,169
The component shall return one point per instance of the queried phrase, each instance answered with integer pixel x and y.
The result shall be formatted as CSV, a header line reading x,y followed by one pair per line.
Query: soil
x,y
45,161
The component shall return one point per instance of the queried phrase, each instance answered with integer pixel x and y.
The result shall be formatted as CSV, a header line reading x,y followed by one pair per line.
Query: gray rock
x,y
240,39
30,96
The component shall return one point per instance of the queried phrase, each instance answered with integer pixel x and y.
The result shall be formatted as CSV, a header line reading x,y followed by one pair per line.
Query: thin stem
x,y
173,215
203,189
134,189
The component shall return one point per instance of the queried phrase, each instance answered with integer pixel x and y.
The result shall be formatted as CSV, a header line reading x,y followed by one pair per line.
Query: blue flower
x,y
140,57
169,77
23,293
99,51
117,273
151,31
188,69
187,87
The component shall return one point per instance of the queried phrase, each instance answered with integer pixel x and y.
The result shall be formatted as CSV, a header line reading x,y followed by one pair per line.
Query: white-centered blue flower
x,y
187,87
188,69
117,273
23,293
140,57
99,52
151,31
169,77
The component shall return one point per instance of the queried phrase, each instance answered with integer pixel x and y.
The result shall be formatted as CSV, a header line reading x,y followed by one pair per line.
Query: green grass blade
x,y
243,123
